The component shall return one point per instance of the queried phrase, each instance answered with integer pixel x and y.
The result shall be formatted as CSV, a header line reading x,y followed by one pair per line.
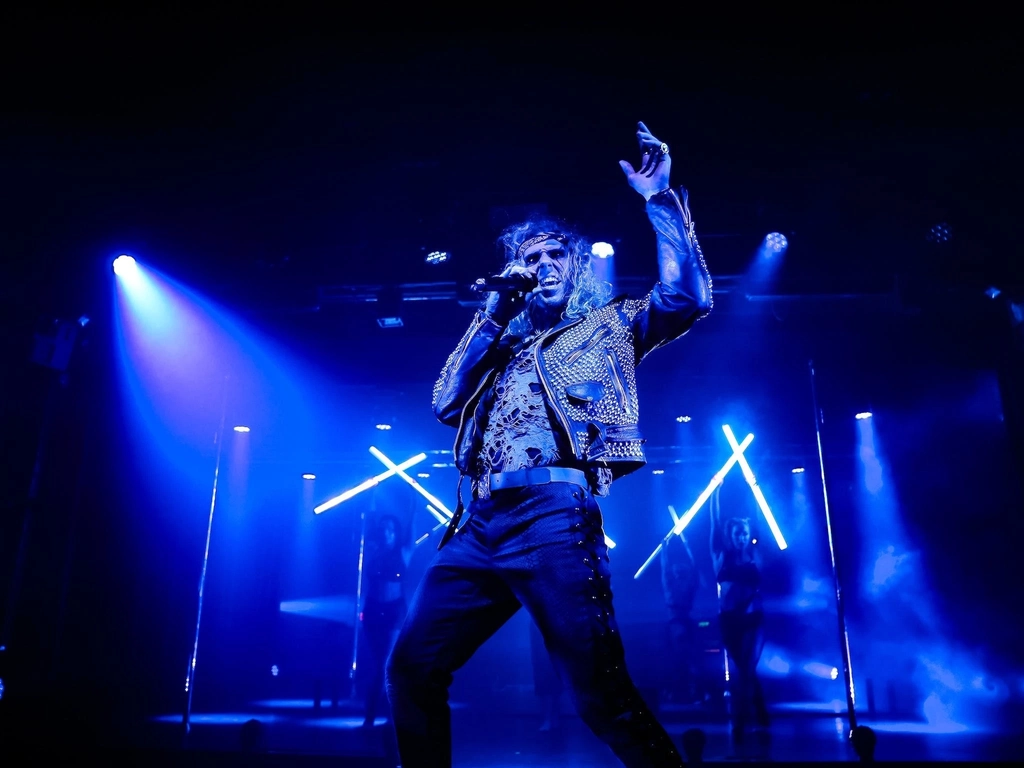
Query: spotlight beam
x,y
684,521
369,483
748,474
398,470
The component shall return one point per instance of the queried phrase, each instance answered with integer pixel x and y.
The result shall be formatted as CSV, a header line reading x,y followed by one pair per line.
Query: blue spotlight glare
x,y
797,470
658,471
683,419
775,243
423,475
437,257
602,250
241,429
124,264
823,671
383,427
863,415
309,476
274,670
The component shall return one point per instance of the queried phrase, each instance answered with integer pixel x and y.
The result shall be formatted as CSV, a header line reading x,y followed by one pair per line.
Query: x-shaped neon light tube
x,y
369,483
684,521
748,474
398,470
441,522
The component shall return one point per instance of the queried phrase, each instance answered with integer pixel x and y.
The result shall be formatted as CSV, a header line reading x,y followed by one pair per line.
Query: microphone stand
x,y
844,636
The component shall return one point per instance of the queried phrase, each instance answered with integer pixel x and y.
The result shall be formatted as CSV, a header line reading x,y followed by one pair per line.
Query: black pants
x,y
540,547
743,636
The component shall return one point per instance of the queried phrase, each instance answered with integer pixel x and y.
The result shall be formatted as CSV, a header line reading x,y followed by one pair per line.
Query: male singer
x,y
543,393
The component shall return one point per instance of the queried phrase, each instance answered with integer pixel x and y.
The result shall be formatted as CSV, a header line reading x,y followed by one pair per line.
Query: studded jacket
x,y
587,365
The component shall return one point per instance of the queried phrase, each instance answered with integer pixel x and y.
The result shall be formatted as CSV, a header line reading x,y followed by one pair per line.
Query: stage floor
x,y
483,740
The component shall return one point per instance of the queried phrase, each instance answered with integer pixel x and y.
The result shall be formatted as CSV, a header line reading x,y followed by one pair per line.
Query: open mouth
x,y
548,283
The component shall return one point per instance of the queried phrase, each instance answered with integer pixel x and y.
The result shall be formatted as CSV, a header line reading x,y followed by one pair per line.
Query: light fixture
x,y
775,242
240,428
940,233
437,257
124,264
602,250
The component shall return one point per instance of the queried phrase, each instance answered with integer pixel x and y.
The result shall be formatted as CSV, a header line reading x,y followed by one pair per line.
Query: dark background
x,y
266,167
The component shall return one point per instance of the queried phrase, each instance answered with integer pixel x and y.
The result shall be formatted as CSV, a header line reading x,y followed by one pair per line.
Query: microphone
x,y
514,282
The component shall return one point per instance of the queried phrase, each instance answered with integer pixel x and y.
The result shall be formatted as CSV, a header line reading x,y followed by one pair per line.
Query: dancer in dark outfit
x,y
741,615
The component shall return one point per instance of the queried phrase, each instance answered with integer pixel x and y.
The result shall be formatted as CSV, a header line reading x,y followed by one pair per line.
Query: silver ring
x,y
664,148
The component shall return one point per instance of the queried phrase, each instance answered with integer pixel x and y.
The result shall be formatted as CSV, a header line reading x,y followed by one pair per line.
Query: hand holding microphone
x,y
523,282
506,292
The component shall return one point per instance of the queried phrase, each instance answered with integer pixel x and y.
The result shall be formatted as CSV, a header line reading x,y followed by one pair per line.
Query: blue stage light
x,y
124,264
775,242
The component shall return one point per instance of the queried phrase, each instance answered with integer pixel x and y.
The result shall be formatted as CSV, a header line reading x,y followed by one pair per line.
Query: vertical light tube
x,y
190,675
844,635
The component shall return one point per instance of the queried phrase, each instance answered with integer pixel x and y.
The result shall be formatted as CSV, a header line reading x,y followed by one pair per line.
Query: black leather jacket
x,y
587,364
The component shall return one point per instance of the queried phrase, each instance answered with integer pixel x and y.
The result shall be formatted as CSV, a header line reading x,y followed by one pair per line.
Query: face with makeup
x,y
548,261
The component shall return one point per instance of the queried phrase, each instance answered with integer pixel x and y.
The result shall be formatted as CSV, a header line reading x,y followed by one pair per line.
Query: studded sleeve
x,y
465,369
682,295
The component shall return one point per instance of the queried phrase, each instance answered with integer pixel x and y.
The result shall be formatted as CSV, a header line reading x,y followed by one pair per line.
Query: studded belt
x,y
520,478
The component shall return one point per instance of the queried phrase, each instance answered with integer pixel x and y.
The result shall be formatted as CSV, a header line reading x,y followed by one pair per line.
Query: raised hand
x,y
656,163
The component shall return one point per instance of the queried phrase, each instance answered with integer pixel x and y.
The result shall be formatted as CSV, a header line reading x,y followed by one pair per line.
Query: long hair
x,y
587,292
731,525
381,526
